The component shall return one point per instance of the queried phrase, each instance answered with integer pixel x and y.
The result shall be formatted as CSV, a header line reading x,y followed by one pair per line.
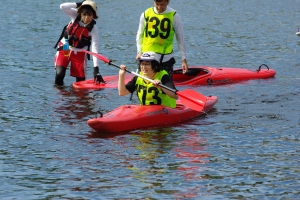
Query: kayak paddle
x,y
188,97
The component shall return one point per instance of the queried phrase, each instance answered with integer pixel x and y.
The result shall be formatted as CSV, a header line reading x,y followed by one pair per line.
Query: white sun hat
x,y
92,4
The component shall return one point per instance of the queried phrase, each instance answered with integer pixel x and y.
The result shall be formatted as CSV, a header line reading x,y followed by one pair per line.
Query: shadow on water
x,y
105,135
74,105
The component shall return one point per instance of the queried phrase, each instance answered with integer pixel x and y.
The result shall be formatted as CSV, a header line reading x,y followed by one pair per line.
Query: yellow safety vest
x,y
159,32
148,94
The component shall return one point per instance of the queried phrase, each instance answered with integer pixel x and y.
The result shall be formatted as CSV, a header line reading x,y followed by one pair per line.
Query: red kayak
x,y
201,75
218,76
132,117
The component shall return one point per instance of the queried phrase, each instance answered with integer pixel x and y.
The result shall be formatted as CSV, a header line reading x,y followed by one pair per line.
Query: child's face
x,y
146,67
161,5
86,18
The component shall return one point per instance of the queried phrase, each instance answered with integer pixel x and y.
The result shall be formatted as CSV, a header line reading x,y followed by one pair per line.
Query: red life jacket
x,y
78,35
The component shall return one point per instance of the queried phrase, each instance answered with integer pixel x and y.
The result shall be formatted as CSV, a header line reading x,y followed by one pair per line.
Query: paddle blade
x,y
103,58
99,56
192,99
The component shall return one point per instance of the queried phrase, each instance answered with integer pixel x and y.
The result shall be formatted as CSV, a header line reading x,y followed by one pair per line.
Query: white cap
x,y
149,56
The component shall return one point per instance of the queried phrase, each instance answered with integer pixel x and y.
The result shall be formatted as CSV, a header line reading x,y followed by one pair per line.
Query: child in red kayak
x,y
80,33
149,93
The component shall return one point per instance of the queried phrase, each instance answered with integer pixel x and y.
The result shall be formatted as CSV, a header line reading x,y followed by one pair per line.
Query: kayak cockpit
x,y
178,76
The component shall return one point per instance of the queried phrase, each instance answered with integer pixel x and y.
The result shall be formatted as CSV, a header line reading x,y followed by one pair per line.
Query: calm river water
x,y
247,147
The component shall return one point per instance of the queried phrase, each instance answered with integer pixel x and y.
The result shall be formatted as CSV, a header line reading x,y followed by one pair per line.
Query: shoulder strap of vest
x,y
61,35
91,25
146,12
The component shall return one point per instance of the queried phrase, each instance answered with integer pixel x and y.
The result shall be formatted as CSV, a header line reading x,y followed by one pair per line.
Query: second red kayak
x,y
133,117
201,75
220,75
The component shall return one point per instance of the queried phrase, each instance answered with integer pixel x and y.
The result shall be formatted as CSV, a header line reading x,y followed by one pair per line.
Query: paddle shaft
x,y
104,59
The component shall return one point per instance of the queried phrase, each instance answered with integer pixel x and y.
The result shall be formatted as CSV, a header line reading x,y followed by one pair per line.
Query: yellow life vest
x,y
159,32
148,94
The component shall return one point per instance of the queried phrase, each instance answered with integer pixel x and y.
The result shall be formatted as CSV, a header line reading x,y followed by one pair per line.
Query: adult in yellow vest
x,y
149,93
157,27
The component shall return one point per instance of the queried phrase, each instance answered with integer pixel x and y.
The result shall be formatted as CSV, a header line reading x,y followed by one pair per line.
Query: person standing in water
x,y
80,33
157,27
